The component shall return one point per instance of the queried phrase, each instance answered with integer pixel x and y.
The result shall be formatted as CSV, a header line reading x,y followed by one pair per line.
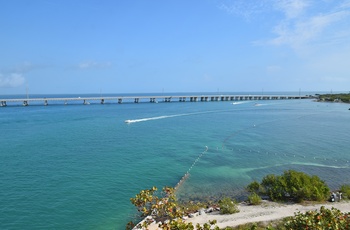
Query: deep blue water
x,y
76,166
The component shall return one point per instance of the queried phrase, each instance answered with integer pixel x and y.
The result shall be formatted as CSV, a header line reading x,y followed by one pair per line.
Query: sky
x,y
158,46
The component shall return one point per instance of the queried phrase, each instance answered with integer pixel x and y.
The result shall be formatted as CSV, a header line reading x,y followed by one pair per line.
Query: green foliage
x,y
324,219
207,226
294,185
345,189
254,199
313,220
342,97
227,206
253,187
165,209
159,207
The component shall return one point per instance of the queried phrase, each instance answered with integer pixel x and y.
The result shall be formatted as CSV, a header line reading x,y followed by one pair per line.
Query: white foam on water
x,y
170,116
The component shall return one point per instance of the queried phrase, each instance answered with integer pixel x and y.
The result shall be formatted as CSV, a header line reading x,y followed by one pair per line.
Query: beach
x,y
267,211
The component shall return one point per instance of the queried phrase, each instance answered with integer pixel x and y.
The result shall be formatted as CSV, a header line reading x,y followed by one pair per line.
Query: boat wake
x,y
170,116
153,118
240,102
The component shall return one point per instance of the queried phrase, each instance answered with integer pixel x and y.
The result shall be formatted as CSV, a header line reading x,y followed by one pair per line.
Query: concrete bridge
x,y
152,99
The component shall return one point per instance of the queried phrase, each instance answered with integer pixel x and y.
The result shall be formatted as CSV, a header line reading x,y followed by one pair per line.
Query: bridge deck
x,y
154,99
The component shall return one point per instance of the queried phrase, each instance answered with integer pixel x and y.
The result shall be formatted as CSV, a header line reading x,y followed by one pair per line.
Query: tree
x,y
227,206
324,219
163,209
294,185
160,208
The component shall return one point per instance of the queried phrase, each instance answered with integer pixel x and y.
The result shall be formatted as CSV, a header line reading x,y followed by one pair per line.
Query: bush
x,y
345,189
253,187
325,219
294,185
254,199
227,206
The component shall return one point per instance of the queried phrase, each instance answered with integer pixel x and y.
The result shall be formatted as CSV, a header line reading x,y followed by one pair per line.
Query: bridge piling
x,y
152,99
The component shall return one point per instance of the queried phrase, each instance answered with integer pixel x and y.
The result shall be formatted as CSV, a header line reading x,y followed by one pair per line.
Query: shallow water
x,y
77,166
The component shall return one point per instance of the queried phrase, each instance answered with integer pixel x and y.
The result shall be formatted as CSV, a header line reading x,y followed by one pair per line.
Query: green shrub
x,y
254,199
227,206
345,189
294,185
324,219
253,187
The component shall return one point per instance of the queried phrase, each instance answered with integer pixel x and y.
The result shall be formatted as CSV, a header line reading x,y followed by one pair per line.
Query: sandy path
x,y
265,212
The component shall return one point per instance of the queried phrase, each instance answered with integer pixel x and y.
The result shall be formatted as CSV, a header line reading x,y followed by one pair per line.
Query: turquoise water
x,y
75,166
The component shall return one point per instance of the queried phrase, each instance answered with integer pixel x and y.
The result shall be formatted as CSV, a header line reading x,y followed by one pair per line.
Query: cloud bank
x,y
11,81
93,65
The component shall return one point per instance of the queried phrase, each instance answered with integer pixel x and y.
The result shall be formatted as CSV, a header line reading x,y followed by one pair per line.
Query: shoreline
x,y
265,212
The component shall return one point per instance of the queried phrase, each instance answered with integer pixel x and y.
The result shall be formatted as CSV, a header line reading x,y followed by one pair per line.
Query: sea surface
x,y
77,166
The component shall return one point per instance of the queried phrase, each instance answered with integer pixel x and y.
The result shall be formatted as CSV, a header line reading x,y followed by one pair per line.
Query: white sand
x,y
267,211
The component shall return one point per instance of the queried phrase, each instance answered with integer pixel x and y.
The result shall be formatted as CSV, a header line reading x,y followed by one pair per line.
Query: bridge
x,y
138,99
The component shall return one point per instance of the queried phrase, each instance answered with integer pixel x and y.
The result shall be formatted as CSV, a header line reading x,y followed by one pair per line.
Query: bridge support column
x,y
86,102
120,100
102,101
25,103
3,103
46,103
204,98
193,99
136,100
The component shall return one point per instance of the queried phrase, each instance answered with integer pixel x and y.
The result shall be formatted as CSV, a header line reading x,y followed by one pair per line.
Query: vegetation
x,y
324,219
227,206
164,209
292,185
315,220
254,199
343,97
297,186
345,189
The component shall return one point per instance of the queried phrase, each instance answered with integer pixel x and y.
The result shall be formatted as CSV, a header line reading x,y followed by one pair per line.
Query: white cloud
x,y
93,64
244,8
11,81
322,22
301,32
296,23
292,8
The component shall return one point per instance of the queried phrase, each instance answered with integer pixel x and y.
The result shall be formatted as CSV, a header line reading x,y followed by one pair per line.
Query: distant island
x,y
341,97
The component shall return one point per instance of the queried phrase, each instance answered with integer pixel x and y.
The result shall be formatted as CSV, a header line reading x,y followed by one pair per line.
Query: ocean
x,y
77,166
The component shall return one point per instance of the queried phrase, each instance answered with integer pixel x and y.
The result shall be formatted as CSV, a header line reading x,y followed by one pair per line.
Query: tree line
x,y
165,209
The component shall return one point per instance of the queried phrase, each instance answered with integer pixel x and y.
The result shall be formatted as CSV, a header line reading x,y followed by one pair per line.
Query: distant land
x,y
341,97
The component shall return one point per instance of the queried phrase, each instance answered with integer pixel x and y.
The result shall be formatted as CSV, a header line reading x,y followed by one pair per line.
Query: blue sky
x,y
109,46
